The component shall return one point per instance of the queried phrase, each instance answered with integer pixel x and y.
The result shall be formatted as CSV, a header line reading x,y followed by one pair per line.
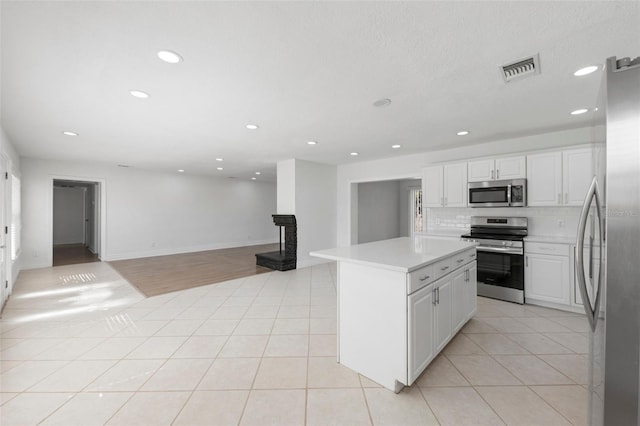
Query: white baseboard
x,y
181,250
35,265
559,306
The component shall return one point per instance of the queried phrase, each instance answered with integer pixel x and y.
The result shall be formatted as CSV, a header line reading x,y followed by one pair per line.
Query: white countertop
x,y
549,239
441,233
403,254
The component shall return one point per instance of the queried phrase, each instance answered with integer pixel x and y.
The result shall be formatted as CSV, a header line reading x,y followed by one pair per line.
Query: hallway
x,y
71,254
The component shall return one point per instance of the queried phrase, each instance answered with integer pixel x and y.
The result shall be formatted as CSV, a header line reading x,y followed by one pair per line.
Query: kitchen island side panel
x,y
372,323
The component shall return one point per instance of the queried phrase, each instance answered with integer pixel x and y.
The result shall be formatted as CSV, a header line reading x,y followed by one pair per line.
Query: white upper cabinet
x,y
455,185
481,170
445,186
577,173
500,168
544,179
511,168
432,185
559,178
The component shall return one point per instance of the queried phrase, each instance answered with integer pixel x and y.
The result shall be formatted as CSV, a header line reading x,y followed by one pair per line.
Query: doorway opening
x,y
76,222
388,209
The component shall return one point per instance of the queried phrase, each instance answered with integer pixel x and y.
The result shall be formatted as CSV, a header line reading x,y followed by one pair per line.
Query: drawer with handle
x,y
442,267
547,248
463,258
420,278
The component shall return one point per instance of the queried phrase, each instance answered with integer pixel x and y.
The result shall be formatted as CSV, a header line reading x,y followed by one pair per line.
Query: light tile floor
x,y
80,346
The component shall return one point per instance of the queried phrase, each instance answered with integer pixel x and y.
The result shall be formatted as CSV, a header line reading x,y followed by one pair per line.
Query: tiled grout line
x,y
283,292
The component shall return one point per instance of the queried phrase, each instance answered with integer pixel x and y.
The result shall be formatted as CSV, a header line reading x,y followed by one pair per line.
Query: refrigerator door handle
x,y
591,309
591,257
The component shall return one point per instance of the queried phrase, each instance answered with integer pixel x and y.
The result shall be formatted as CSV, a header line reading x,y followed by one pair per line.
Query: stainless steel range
x,y
500,256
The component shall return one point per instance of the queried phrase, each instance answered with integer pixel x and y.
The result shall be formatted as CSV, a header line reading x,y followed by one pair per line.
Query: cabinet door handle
x,y
445,201
433,294
444,268
438,294
472,255
460,260
491,174
559,198
426,277
526,261
498,174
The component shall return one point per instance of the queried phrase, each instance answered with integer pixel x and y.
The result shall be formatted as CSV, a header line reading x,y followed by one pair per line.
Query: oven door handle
x,y
506,250
509,194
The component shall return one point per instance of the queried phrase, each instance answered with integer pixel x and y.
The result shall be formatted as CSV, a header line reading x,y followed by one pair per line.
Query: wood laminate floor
x,y
164,274
71,254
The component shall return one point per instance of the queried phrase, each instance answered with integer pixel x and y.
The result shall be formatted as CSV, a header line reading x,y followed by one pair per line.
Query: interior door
x,y
3,227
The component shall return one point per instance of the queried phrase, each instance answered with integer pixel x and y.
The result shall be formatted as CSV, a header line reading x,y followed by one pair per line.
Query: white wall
x,y
315,209
409,166
378,211
311,192
12,268
150,213
68,215
286,187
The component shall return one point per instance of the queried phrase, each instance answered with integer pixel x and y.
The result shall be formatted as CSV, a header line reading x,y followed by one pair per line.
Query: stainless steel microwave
x,y
498,193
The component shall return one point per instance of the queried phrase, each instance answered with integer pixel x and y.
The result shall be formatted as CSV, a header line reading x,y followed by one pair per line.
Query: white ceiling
x,y
300,70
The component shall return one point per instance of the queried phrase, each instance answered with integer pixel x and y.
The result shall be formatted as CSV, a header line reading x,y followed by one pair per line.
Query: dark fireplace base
x,y
276,260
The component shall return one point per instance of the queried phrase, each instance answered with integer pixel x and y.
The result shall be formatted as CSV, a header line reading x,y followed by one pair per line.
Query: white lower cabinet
x,y
471,291
458,310
442,312
465,291
421,341
438,311
547,273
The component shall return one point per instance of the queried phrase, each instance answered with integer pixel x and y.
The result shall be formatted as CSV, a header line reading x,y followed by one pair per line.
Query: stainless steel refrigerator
x,y
608,249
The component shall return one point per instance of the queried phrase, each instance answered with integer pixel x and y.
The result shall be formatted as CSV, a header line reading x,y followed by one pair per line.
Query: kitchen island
x,y
400,301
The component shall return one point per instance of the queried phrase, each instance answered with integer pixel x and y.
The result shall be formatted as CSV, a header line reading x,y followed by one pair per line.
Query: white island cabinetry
x,y
400,302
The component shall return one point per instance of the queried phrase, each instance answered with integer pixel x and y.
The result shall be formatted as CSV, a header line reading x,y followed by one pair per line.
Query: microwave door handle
x,y
509,195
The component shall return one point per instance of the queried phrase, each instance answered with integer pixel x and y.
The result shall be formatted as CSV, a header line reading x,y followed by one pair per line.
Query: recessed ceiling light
x,y
252,126
139,94
219,159
353,153
585,70
180,171
258,173
382,103
312,143
253,178
462,133
396,146
70,133
169,56
579,111
219,168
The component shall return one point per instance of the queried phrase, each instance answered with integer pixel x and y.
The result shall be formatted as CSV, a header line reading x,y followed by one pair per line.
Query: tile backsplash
x,y
547,221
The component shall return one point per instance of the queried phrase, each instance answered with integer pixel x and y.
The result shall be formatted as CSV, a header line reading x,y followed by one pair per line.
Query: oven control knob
x,y
504,243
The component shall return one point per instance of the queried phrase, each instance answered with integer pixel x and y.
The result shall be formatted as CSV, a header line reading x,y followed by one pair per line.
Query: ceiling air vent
x,y
520,69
